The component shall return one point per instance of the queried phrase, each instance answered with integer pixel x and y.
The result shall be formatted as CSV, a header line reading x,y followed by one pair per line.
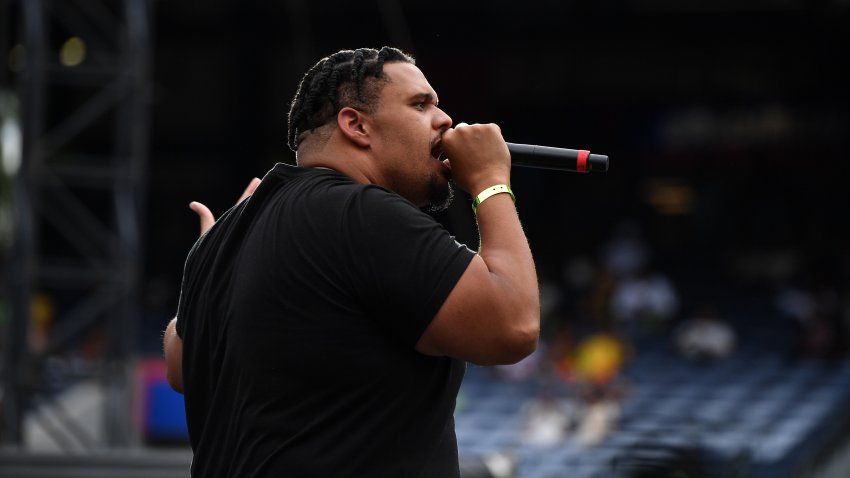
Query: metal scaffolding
x,y
78,197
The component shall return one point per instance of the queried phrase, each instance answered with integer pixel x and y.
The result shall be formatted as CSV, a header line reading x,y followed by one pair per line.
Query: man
x,y
324,322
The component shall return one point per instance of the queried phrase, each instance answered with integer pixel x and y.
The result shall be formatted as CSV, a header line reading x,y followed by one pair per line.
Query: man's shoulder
x,y
338,186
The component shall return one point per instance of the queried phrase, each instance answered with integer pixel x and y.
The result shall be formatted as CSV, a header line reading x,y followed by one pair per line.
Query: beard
x,y
440,197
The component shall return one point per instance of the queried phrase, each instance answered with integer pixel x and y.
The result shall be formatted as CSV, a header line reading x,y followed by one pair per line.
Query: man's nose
x,y
442,120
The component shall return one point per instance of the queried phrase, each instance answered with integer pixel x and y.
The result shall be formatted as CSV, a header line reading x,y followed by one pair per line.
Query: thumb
x,y
204,214
249,190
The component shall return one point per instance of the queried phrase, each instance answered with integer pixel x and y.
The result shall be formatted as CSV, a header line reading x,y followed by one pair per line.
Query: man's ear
x,y
352,124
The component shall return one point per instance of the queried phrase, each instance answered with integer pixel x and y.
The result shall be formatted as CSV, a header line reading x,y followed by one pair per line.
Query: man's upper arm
x,y
468,326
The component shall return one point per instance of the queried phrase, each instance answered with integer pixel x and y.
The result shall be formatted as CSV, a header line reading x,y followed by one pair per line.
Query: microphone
x,y
561,159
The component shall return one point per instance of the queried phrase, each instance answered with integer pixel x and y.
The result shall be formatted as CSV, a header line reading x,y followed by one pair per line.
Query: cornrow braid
x,y
345,78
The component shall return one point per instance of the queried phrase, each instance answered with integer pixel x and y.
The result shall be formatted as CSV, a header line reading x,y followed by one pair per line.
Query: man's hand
x,y
478,156
206,216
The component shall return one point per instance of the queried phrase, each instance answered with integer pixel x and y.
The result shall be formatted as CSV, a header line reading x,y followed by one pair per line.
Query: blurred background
x,y
695,297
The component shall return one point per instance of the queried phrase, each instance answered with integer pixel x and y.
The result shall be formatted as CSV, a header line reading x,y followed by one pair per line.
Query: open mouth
x,y
437,151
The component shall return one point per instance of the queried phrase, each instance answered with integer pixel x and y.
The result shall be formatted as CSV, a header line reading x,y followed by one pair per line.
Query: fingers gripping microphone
x,y
561,159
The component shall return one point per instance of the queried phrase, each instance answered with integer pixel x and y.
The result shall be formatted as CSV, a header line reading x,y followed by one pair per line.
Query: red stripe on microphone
x,y
581,162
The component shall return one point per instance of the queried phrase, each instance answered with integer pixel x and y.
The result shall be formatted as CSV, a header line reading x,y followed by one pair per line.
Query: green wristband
x,y
491,191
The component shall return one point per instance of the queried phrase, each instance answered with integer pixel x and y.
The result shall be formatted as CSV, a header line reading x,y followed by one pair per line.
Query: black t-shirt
x,y
299,313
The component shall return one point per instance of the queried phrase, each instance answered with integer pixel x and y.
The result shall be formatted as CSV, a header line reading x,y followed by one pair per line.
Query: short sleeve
x,y
405,263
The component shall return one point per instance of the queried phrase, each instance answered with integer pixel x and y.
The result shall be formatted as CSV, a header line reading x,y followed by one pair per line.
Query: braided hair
x,y
350,78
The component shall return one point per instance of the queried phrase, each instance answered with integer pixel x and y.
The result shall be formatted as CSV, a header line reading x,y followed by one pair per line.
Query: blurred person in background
x,y
324,322
547,418
626,252
593,369
705,336
643,305
599,359
811,305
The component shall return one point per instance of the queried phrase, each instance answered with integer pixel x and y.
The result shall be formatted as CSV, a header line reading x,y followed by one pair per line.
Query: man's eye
x,y
420,105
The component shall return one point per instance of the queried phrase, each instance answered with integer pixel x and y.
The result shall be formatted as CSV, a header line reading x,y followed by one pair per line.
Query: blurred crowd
x,y
609,307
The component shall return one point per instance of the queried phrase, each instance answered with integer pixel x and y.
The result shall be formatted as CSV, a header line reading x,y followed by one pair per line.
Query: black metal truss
x,y
78,202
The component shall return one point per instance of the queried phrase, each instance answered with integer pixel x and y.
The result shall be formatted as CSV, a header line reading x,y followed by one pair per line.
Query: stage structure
x,y
80,70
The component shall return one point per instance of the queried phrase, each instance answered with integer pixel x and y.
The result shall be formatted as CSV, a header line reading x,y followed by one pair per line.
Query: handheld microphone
x,y
561,159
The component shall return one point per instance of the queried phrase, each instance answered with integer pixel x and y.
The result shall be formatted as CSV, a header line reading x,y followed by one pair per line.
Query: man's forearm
x,y
504,248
